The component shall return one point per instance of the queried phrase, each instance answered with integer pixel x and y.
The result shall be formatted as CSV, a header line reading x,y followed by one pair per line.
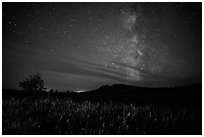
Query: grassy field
x,y
68,116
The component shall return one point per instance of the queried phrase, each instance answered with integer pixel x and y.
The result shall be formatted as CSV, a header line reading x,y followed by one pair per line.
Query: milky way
x,y
81,46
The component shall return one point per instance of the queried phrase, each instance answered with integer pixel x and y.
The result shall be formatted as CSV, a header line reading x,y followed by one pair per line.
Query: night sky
x,y
81,46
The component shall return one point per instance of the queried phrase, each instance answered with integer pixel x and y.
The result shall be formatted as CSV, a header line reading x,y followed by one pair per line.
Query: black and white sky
x,y
83,45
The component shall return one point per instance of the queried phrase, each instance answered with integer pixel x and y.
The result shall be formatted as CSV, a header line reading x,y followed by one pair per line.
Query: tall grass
x,y
58,116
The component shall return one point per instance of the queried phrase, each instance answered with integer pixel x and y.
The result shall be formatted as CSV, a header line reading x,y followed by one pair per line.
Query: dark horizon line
x,y
111,85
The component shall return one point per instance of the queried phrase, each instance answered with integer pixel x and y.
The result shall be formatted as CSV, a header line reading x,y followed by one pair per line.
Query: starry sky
x,y
81,46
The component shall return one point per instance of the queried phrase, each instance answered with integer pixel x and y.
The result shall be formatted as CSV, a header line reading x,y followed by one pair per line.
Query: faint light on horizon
x,y
79,91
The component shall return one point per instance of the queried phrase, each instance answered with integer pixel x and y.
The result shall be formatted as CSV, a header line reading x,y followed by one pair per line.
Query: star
x,y
78,44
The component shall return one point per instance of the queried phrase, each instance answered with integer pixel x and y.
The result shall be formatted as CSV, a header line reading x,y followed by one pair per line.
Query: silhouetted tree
x,y
51,91
69,92
33,83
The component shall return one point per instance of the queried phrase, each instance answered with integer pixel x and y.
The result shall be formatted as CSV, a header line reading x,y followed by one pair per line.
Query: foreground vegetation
x,y
68,116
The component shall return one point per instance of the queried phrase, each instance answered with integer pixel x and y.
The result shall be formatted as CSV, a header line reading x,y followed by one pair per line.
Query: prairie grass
x,y
67,116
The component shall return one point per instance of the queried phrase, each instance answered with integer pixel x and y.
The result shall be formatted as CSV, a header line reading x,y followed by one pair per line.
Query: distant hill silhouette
x,y
118,92
184,95
124,89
